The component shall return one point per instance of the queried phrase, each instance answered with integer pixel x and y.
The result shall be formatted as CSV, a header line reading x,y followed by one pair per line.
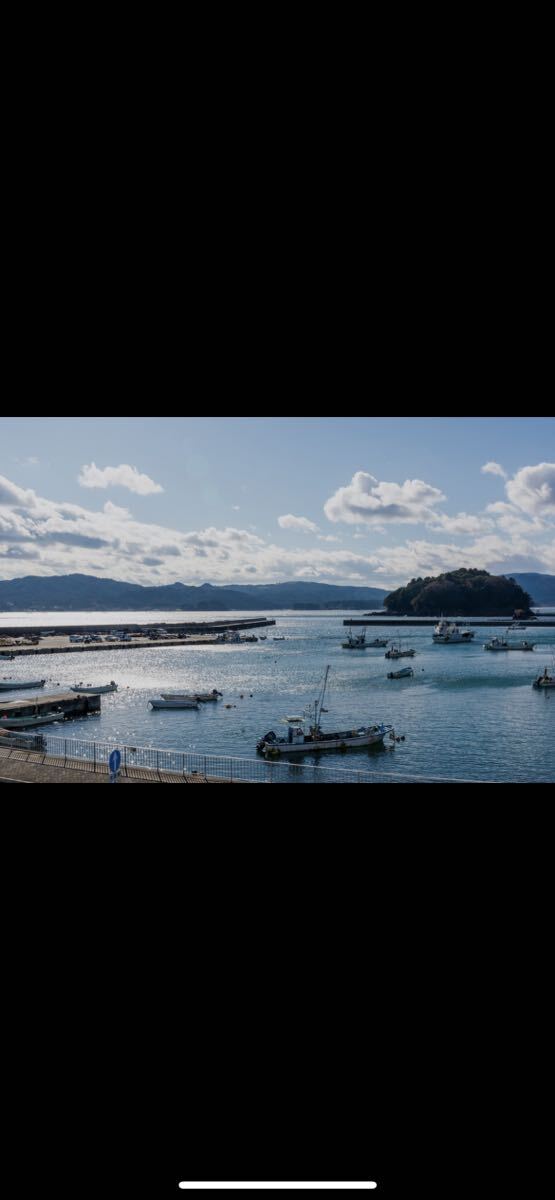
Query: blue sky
x,y
356,500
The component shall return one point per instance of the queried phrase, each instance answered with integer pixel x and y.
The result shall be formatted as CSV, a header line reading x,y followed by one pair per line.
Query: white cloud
x,y
114,510
235,507
56,537
125,476
300,523
462,523
367,501
328,537
493,468
11,494
533,489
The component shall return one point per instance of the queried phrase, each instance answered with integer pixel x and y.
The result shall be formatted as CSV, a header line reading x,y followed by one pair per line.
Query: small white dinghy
x,y
9,685
95,691
176,702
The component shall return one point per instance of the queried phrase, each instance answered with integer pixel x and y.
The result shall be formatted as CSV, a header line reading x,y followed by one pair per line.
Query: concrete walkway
x,y
29,766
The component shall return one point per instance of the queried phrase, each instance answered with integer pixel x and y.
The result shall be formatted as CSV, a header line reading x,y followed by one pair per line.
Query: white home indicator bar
x,y
278,1186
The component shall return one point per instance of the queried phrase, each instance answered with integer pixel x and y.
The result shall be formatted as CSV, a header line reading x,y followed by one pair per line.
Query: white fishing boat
x,y
378,642
398,652
355,641
279,638
448,632
91,690
302,740
544,681
404,673
31,720
9,685
175,702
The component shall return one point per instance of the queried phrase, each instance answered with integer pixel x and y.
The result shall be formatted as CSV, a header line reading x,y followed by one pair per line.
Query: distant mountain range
x,y
87,592
540,587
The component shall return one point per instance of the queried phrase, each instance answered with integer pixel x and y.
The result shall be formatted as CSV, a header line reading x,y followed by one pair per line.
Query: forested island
x,y
466,592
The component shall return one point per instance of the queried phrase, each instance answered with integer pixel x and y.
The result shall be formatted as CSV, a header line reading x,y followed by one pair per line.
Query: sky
x,y
371,501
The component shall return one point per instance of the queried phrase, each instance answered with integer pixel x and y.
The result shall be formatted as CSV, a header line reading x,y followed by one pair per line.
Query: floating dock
x,y
72,705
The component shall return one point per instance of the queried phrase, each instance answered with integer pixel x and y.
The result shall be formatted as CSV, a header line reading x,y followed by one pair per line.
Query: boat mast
x,y
319,703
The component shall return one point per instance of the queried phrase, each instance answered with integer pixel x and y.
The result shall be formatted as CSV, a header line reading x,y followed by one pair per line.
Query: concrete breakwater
x,y
135,626
539,623
198,634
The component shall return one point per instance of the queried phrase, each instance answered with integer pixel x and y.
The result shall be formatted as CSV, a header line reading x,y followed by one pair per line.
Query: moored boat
x,y
175,702
198,697
404,673
355,641
90,690
9,685
448,632
544,681
503,644
397,652
378,642
302,741
31,720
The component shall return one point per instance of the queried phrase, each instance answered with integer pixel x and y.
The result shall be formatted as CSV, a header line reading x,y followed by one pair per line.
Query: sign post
x,y
114,764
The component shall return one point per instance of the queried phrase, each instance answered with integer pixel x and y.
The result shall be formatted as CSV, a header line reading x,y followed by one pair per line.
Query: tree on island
x,y
466,592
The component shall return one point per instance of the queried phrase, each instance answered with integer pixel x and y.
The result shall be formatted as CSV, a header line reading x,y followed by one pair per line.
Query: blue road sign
x,y
115,760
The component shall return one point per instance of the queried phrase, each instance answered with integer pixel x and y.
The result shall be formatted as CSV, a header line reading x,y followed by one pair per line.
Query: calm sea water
x,y
467,713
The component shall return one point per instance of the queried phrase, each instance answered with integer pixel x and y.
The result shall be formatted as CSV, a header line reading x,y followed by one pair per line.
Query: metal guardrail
x,y
211,766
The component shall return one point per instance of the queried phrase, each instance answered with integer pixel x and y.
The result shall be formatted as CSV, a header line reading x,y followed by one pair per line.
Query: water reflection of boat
x,y
299,740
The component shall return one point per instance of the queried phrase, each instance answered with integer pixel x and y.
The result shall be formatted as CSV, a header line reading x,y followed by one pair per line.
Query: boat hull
x,y
370,738
93,691
12,687
29,722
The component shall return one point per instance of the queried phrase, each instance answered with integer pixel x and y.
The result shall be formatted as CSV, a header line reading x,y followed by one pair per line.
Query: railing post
x,y
94,758
65,749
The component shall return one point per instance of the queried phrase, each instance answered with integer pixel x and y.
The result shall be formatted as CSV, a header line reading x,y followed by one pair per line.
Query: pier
x,y
540,623
189,634
71,703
